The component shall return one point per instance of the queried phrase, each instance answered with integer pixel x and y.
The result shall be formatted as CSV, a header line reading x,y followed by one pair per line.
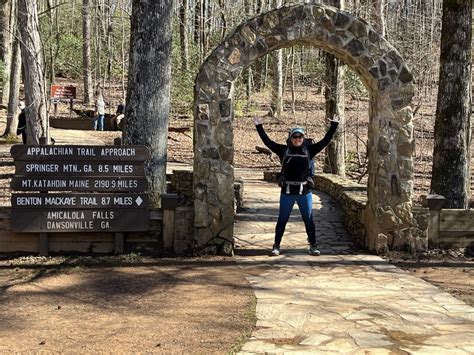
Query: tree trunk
x,y
183,35
378,17
277,84
223,19
35,91
292,78
15,76
123,54
259,63
205,27
334,161
451,156
198,28
197,19
6,19
86,52
110,48
50,12
276,105
148,96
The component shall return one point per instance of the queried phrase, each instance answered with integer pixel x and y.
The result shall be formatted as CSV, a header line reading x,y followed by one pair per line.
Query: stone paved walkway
x,y
343,301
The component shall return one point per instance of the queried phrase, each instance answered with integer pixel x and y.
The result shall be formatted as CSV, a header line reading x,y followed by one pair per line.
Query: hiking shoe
x,y
275,251
313,250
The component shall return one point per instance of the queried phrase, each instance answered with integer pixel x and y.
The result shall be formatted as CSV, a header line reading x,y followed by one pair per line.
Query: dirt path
x,y
123,304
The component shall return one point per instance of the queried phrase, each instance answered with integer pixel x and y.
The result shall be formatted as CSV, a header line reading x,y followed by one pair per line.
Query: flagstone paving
x,y
344,301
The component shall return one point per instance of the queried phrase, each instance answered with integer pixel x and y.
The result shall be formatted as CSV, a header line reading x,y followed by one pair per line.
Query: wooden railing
x,y
449,228
159,239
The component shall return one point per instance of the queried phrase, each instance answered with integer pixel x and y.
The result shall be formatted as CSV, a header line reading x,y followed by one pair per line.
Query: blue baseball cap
x,y
297,130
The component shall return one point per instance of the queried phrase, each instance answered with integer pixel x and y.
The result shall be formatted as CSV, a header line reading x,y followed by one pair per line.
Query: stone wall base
x,y
352,197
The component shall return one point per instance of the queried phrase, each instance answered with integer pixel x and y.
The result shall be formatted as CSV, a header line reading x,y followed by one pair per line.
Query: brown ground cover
x,y
450,270
124,304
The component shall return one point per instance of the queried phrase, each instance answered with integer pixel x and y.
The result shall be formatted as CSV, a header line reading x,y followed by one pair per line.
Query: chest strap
x,y
295,183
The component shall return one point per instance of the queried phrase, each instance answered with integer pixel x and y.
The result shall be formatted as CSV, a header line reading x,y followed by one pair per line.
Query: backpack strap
x,y
306,152
295,183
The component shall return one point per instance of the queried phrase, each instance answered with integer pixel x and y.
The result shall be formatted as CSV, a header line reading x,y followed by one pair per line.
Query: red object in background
x,y
63,92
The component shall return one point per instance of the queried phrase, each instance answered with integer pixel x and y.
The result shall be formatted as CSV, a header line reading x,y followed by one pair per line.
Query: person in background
x,y
117,120
99,113
22,122
295,178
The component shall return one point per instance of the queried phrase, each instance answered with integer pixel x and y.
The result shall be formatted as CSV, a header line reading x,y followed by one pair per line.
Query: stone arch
x,y
388,215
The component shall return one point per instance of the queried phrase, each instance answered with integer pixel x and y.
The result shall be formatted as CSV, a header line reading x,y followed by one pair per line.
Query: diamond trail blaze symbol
x,y
139,200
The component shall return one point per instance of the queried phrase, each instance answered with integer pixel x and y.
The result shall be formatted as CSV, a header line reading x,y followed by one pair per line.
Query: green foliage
x,y
10,140
313,71
182,82
63,41
69,57
353,84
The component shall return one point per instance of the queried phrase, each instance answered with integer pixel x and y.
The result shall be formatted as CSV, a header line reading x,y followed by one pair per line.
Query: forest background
x,y
86,43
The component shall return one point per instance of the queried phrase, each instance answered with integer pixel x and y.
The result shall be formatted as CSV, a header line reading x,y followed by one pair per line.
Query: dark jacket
x,y
21,122
296,168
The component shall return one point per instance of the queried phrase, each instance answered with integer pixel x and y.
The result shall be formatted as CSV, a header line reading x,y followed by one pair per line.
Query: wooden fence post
x,y
119,243
43,244
435,204
169,202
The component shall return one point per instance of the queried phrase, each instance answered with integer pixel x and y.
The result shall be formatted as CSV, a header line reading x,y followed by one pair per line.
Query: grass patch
x,y
10,140
251,316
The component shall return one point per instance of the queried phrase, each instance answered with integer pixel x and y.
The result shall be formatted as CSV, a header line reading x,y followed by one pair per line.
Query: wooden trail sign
x,y
82,168
85,152
74,200
103,184
111,180
80,220
63,92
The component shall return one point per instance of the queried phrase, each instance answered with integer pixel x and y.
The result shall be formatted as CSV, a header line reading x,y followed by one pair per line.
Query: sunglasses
x,y
297,136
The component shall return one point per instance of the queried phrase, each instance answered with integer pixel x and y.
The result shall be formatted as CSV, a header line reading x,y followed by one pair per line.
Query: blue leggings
x,y
305,204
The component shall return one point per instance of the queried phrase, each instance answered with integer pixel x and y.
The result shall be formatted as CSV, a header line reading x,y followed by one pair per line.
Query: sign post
x,y
96,189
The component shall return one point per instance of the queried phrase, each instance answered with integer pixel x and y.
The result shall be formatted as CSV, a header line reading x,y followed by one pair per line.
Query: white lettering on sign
x,y
44,184
28,201
103,215
127,183
88,201
88,152
41,150
112,184
71,168
117,152
79,183
103,168
65,215
69,225
59,201
122,168
123,201
41,168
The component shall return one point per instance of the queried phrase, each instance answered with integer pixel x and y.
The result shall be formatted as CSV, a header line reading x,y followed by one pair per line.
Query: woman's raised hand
x,y
257,120
335,118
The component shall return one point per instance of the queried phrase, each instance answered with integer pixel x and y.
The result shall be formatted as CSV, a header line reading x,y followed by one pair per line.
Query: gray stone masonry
x,y
352,197
388,215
